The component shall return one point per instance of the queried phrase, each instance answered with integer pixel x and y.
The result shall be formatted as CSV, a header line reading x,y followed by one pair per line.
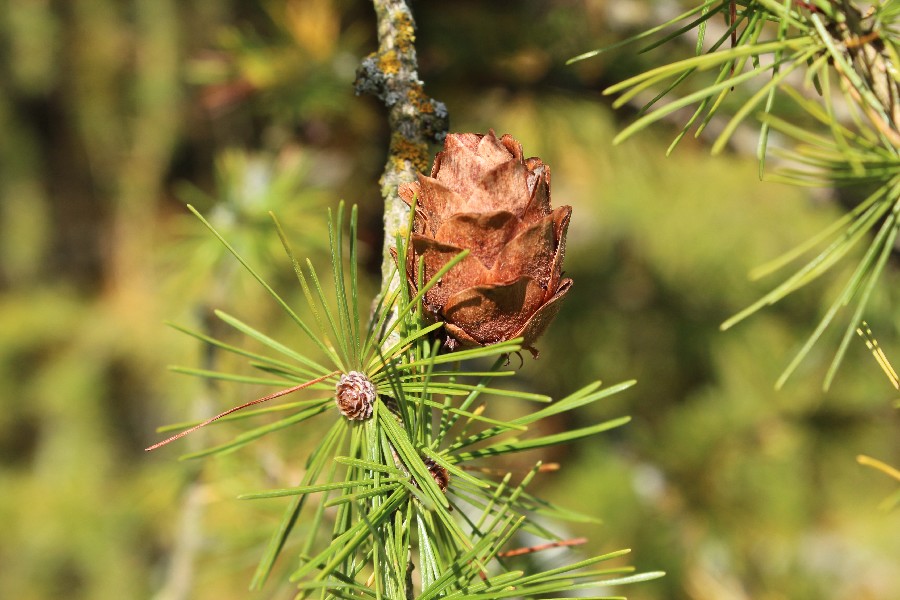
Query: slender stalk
x,y
415,120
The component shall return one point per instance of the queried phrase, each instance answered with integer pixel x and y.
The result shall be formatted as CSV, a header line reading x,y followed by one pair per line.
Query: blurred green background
x,y
114,114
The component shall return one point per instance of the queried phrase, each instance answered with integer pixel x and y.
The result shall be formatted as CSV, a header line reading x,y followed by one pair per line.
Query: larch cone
x,y
483,196
355,396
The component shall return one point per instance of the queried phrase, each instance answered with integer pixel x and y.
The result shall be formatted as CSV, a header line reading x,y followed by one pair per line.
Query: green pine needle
x,y
382,479
860,150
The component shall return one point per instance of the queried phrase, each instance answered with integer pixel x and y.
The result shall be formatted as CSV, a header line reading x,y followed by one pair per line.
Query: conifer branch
x,y
415,120
853,43
386,466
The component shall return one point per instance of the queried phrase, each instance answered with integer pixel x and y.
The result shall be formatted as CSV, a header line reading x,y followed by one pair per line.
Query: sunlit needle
x,y
237,408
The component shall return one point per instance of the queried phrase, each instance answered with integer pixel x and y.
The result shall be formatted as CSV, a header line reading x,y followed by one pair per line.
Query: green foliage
x,y
386,471
778,42
729,488
717,466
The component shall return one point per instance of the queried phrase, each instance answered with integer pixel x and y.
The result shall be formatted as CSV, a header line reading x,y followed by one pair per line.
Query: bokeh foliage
x,y
115,114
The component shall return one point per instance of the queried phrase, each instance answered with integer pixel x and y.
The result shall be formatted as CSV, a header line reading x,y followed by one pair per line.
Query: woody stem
x,y
415,120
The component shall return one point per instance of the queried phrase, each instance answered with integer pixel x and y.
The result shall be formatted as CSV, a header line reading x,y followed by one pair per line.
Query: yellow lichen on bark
x,y
388,63
405,31
403,150
420,100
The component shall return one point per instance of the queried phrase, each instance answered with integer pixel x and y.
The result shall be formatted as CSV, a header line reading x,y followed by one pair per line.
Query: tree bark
x,y
415,120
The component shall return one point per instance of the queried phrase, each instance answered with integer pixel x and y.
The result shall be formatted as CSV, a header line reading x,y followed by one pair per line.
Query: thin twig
x,y
540,547
277,394
415,120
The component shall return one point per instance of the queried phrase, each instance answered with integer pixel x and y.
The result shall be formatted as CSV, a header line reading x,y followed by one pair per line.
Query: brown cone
x,y
355,396
485,197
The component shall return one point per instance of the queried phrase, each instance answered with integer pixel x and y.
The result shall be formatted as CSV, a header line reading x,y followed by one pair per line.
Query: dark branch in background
x,y
415,120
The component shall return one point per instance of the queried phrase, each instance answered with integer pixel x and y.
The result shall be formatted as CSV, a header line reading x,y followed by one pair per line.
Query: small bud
x,y
440,475
355,396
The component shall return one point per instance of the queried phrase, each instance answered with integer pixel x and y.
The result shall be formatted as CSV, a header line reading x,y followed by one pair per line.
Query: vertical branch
x,y
181,569
415,120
